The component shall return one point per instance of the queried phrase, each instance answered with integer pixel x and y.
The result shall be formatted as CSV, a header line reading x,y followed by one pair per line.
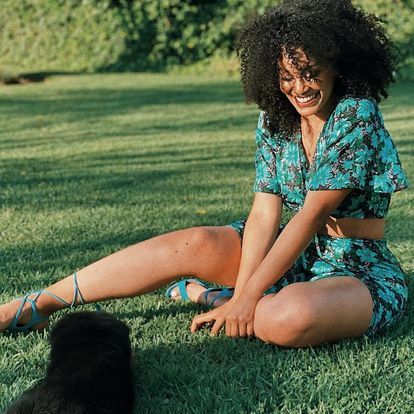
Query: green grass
x,y
90,164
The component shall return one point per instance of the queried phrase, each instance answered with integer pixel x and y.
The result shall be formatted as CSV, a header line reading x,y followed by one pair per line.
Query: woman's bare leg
x,y
210,253
312,313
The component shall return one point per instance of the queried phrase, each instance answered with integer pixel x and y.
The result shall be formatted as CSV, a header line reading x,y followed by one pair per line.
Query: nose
x,y
299,86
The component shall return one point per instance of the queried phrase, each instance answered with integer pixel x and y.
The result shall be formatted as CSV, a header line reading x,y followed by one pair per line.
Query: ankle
x,y
47,305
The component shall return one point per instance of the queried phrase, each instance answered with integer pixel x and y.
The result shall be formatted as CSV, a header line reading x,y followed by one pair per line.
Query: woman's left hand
x,y
237,316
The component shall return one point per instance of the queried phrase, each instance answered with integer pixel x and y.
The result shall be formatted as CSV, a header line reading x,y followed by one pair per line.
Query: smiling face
x,y
309,90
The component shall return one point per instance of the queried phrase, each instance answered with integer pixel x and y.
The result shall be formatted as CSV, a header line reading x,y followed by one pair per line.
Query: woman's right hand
x,y
236,316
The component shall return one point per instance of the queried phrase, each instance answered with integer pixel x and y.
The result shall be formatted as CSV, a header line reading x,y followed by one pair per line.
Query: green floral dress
x,y
354,150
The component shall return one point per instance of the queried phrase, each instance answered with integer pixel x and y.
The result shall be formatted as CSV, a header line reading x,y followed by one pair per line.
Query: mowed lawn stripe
x,y
90,164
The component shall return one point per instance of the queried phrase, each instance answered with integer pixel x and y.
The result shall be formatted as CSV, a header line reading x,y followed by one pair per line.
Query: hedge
x,y
68,35
119,35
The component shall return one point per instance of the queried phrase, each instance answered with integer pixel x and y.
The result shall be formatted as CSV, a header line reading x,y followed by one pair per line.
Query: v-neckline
x,y
309,163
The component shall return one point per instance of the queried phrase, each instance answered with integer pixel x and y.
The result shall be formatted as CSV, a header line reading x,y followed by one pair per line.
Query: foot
x,y
9,310
31,312
196,294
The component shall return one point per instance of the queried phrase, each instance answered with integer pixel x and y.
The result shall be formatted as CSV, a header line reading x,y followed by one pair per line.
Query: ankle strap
x,y
76,292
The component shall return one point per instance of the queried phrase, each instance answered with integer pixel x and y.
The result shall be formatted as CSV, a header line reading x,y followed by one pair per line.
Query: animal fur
x,y
89,370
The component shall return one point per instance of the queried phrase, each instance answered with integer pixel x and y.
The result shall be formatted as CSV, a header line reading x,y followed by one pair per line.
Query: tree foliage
x,y
96,35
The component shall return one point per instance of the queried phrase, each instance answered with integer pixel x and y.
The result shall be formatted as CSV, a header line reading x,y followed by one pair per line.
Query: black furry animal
x,y
89,371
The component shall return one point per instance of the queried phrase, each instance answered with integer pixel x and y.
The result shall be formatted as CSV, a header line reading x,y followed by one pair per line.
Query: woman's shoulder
x,y
263,134
355,120
357,108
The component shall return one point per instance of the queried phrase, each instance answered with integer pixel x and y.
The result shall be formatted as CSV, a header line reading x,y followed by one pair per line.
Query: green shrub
x,y
398,18
96,35
167,33
72,35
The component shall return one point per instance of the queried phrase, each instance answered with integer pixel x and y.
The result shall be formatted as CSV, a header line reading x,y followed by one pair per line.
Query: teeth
x,y
307,99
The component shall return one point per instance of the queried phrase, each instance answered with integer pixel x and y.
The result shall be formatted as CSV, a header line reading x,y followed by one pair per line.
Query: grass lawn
x,y
91,164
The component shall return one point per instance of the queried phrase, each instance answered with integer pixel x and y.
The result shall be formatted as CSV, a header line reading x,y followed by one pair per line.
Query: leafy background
x,y
155,35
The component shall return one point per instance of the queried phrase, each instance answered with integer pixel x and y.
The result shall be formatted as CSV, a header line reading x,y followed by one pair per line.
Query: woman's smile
x,y
309,87
309,100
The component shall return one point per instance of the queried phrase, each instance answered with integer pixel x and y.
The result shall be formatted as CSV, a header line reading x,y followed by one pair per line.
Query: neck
x,y
310,124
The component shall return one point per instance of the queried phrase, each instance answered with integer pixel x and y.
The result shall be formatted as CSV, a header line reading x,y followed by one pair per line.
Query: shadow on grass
x,y
214,376
224,375
29,77
120,132
172,172
80,104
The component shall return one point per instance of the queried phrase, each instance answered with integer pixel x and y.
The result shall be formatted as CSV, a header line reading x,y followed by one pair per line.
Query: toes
x,y
194,292
175,294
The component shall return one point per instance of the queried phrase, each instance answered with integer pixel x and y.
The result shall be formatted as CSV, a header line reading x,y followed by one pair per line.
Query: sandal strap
x,y
76,292
53,296
36,318
224,293
182,287
23,301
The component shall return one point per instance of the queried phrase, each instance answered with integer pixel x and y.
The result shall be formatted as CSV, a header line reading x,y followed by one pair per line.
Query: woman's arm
x,y
260,233
294,239
238,314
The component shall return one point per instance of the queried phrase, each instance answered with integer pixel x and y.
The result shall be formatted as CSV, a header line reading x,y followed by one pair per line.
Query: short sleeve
x,y
266,179
358,152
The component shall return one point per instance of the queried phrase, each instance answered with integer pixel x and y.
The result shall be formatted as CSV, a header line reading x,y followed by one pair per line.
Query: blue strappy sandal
x,y
224,293
182,288
36,318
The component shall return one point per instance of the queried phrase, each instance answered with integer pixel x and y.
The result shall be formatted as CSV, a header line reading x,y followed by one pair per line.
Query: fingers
x,y
241,330
200,320
218,324
250,330
207,318
233,327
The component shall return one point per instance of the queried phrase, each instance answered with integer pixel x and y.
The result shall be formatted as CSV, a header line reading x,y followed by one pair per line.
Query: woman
x,y
317,74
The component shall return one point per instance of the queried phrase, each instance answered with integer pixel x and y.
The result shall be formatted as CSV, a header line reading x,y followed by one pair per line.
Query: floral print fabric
x,y
370,261
354,150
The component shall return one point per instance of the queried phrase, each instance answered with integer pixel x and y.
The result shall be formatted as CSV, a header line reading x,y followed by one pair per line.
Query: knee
x,y
285,319
201,239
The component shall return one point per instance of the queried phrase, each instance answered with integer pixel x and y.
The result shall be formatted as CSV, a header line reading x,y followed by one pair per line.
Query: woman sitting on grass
x,y
317,73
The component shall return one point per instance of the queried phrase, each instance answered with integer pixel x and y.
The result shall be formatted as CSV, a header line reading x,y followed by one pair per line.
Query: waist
x,y
354,227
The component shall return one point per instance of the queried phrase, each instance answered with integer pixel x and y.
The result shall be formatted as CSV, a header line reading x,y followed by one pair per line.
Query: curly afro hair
x,y
347,41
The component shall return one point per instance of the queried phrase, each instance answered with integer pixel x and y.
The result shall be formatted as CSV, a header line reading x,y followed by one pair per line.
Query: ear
x,y
26,403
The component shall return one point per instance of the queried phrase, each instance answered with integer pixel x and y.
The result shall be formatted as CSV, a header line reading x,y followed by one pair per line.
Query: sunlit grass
x,y
91,164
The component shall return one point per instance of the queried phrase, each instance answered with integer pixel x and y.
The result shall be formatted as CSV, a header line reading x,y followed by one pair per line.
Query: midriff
x,y
354,227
